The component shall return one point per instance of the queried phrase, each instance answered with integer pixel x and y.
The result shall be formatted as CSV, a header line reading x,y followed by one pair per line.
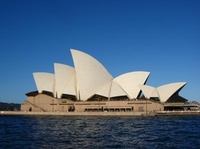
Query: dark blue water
x,y
40,132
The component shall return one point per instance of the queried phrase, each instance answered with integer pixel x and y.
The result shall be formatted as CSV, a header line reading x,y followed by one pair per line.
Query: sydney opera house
x,y
89,87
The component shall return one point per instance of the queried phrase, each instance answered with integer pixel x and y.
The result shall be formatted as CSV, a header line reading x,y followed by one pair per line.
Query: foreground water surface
x,y
40,132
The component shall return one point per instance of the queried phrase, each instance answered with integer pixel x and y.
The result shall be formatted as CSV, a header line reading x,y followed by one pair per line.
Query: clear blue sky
x,y
159,36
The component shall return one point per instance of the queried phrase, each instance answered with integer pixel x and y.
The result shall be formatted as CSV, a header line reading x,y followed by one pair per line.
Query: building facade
x,y
88,87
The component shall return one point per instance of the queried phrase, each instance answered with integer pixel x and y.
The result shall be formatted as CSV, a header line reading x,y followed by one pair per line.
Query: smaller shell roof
x,y
147,90
164,92
129,82
64,78
167,90
44,81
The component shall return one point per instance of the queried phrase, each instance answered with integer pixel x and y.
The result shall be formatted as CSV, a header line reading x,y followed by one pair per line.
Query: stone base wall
x,y
44,103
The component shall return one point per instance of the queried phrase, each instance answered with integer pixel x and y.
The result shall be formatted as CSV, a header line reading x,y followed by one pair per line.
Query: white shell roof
x,y
111,90
148,91
44,81
129,82
64,74
105,90
89,77
90,74
155,93
166,91
116,90
70,88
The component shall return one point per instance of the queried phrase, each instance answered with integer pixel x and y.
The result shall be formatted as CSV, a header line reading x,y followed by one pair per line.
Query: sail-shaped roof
x,y
129,82
148,91
64,74
91,75
44,81
167,90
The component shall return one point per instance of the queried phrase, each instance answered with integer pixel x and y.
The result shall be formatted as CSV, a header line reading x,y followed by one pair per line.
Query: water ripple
x,y
57,132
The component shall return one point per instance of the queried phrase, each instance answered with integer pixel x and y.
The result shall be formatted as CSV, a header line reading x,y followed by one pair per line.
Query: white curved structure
x,y
116,90
44,82
89,77
148,91
166,91
105,90
111,90
64,79
129,82
70,88
90,74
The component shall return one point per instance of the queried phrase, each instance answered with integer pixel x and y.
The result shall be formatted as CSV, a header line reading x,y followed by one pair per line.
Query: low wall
x,y
158,113
73,113
178,113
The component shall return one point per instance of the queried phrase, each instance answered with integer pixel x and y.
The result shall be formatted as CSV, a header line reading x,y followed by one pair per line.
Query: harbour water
x,y
100,132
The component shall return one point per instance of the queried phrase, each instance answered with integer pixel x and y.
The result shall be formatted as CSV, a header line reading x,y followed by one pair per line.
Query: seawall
x,y
73,113
158,113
